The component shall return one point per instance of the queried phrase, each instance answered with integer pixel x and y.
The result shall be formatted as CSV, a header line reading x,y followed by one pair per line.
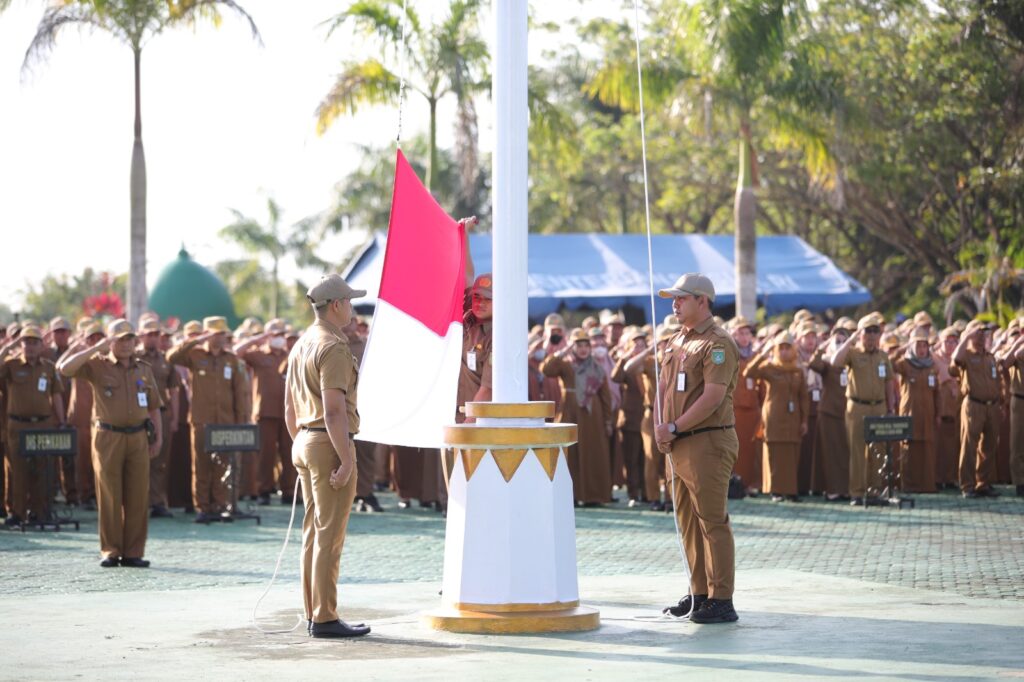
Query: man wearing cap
x,y
266,353
126,405
919,400
832,447
806,344
978,372
870,392
57,339
746,401
33,390
80,415
631,416
947,465
321,415
1013,362
554,341
697,432
218,397
168,383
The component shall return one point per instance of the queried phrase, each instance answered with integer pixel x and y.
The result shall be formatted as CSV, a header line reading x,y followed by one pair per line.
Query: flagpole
x,y
508,355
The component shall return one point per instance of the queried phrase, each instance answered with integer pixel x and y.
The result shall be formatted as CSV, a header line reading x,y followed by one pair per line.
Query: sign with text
x,y
882,429
232,438
47,442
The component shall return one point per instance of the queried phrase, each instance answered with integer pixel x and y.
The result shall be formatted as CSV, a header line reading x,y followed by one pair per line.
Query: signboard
x,y
882,429
232,438
46,442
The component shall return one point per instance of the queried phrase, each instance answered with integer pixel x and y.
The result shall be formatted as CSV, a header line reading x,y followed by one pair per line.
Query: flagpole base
x,y
490,622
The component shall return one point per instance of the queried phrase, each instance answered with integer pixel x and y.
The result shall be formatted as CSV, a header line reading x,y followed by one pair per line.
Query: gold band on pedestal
x,y
534,410
473,436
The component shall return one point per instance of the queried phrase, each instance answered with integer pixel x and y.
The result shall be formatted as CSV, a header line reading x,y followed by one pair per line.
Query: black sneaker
x,y
110,562
715,611
373,503
134,562
682,609
793,498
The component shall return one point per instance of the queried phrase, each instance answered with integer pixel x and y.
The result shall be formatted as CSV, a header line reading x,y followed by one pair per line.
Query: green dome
x,y
188,291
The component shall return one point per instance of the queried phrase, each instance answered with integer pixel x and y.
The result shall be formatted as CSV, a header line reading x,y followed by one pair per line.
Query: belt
x,y
866,402
1018,396
982,402
27,420
322,429
694,432
122,429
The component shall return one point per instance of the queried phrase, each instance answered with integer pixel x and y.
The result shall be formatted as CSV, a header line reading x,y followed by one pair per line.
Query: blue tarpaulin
x,y
610,271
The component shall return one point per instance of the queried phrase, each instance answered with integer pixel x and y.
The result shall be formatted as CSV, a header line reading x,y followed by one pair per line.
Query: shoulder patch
x,y
718,355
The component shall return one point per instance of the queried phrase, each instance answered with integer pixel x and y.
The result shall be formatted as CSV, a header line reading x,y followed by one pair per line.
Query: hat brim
x,y
672,293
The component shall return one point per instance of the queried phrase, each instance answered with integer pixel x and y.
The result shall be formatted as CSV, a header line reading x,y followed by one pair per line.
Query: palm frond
x,y
615,84
56,19
360,83
191,12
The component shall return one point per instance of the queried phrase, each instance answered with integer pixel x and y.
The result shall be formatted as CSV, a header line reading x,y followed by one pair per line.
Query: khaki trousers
x,y
979,435
26,476
324,524
1017,440
85,477
781,468
158,465
275,447
210,475
121,463
916,461
948,460
702,465
864,468
632,448
654,460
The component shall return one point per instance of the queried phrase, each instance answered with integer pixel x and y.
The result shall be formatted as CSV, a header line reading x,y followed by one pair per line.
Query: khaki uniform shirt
x,y
869,372
787,403
164,374
28,387
979,376
268,367
633,395
321,360
833,388
122,395
919,397
475,370
219,385
705,354
1017,378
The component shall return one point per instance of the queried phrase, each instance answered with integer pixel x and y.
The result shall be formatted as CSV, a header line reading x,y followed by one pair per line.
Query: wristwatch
x,y
672,427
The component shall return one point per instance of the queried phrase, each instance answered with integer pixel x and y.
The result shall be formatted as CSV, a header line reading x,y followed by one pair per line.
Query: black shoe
x,y
793,498
12,520
593,505
426,505
1020,491
715,611
669,508
969,494
203,517
857,502
160,512
404,504
440,508
657,506
337,629
682,609
134,562
226,517
373,503
777,498
110,562
381,487
264,500
987,491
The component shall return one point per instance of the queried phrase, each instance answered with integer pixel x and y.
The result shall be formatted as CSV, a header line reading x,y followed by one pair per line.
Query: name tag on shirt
x,y
791,407
844,378
993,372
681,381
471,360
881,371
227,371
42,384
931,381
750,384
816,395
143,400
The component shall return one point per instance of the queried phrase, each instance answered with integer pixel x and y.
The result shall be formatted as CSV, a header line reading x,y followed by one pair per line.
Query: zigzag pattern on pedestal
x,y
508,461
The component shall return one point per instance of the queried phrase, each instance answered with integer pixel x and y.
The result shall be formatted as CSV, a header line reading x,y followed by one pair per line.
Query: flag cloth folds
x,y
408,381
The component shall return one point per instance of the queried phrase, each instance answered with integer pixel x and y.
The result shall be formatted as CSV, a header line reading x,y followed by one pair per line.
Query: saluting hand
x,y
102,346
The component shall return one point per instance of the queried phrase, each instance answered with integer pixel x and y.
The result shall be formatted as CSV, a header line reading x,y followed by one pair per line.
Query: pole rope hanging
x,y
403,49
670,484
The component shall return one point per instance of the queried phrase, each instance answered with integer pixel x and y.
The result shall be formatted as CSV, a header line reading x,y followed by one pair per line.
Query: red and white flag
x,y
408,382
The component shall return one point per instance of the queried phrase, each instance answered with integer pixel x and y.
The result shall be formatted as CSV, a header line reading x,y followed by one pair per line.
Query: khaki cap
x,y
609,318
1014,325
919,335
803,314
593,333
871,320
671,321
30,331
782,337
215,324
148,315
647,329
589,321
692,283
632,333
961,325
739,322
922,318
192,327
972,326
947,332
483,285
806,328
292,332
92,329
149,326
665,333
276,326
578,335
332,288
119,329
554,320
83,323
60,323
847,324
891,340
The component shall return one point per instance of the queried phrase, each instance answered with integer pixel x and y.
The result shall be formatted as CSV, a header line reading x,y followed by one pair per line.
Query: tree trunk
x,y
137,267
745,210
432,160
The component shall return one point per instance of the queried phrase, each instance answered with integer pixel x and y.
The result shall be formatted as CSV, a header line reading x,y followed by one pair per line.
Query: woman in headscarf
x,y
919,400
785,412
587,403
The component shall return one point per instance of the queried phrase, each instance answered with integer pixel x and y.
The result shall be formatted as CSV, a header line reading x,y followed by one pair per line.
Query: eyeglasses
x,y
872,330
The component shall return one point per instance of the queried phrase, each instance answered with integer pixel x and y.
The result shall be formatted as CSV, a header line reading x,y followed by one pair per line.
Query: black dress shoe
x,y
110,562
857,502
682,609
657,505
12,520
338,629
226,517
969,494
203,517
404,504
264,500
987,491
793,498
715,611
777,498
134,562
372,503
160,512
1020,491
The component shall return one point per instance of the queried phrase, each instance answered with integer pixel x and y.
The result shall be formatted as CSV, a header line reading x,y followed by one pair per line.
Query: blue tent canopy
x,y
610,271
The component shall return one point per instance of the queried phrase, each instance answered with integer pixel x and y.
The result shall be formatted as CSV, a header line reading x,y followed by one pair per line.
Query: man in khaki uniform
x,y
1013,362
33,390
870,392
980,416
168,383
320,411
697,431
218,397
127,407
366,452
59,337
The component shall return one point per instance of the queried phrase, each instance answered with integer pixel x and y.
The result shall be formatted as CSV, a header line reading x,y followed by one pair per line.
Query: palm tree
x,y
134,23
264,239
750,59
448,58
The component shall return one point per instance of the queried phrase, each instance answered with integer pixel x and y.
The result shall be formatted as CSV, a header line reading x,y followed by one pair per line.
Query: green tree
x,y
66,295
134,23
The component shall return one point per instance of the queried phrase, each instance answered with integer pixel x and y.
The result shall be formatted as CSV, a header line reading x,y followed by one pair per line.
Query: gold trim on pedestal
x,y
532,410
471,460
575,619
510,436
508,461
516,608
548,458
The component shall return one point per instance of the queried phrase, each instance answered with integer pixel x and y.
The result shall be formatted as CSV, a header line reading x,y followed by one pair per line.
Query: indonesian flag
x,y
408,382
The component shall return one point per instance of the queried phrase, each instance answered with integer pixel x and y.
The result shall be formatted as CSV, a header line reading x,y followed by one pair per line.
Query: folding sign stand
x,y
45,446
230,440
889,430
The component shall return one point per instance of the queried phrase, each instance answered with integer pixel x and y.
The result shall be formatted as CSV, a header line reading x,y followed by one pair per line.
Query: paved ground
x,y
823,590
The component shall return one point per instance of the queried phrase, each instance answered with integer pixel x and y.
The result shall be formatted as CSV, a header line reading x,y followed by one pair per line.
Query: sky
x,y
226,123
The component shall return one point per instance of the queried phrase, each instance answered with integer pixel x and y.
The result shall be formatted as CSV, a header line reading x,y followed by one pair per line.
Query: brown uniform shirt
x,y
833,388
705,354
268,368
787,402
218,386
164,374
633,395
979,376
475,370
1017,378
919,397
122,395
869,372
321,360
747,395
28,387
